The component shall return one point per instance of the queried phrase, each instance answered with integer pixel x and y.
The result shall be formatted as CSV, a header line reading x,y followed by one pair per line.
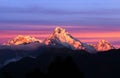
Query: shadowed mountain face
x,y
63,61
30,68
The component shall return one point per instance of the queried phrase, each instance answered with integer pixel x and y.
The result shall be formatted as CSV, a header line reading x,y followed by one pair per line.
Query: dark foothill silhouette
x,y
64,68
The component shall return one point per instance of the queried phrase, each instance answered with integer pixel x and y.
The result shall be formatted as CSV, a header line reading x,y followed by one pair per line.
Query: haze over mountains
x,y
60,38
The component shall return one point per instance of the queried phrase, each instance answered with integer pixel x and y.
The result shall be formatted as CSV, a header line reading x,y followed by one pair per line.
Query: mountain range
x,y
61,38
59,54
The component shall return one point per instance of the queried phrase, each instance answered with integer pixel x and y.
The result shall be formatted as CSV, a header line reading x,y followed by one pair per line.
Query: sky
x,y
87,20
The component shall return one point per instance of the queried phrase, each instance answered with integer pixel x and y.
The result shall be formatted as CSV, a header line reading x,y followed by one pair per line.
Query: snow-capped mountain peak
x,y
21,39
103,42
103,45
60,37
59,30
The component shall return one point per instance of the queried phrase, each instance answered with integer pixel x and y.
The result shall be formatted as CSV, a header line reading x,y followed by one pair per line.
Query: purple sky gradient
x,y
62,12
78,16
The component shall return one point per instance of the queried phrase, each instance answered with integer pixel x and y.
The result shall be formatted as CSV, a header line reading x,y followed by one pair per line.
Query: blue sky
x,y
61,12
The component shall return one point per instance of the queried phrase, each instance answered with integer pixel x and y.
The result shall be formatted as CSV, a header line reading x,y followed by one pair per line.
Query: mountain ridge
x,y
61,38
